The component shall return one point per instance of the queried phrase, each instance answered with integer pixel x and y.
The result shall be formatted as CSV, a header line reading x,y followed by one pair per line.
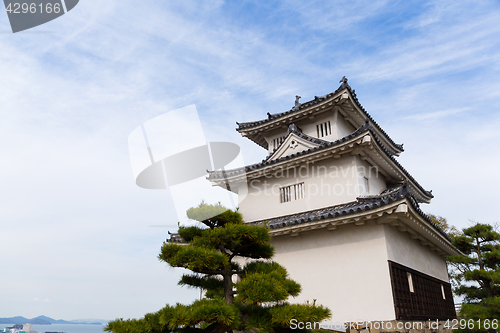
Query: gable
x,y
291,145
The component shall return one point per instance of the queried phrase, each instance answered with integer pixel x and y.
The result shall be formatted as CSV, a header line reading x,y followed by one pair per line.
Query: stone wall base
x,y
399,326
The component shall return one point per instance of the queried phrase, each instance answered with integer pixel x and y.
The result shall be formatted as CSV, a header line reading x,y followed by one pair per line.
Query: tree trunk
x,y
228,288
487,284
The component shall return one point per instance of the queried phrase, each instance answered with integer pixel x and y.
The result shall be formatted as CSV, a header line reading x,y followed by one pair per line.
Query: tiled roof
x,y
316,100
360,205
366,127
265,162
175,238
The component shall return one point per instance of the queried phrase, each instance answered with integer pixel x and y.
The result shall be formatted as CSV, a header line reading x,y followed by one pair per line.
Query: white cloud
x,y
426,116
36,299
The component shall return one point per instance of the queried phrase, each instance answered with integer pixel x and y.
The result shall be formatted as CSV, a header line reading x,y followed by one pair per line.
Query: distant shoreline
x,y
47,324
44,320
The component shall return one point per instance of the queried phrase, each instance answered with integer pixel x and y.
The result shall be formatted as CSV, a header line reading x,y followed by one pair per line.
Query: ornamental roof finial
x,y
344,82
292,128
297,103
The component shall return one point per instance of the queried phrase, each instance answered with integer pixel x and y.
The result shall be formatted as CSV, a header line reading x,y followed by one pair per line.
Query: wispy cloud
x,y
36,299
426,116
462,41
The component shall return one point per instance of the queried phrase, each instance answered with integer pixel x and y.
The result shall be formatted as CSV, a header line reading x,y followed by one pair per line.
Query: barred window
x,y
410,282
292,192
421,296
277,141
324,129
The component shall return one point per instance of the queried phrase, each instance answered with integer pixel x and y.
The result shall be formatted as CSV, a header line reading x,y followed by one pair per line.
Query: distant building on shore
x,y
26,328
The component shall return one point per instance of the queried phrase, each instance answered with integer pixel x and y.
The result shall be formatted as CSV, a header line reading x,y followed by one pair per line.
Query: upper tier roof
x,y
344,97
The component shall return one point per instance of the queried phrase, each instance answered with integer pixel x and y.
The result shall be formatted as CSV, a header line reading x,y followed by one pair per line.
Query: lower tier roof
x,y
362,204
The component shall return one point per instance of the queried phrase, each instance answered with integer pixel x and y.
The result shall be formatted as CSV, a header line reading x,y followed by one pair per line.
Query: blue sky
x,y
75,236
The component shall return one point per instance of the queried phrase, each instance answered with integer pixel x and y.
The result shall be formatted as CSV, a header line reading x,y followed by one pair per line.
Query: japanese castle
x,y
344,214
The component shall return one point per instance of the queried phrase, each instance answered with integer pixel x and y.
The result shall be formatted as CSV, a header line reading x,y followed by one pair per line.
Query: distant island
x,y
44,320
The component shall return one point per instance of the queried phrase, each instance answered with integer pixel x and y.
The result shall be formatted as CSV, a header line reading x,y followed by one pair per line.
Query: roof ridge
x,y
300,106
355,97
317,99
327,143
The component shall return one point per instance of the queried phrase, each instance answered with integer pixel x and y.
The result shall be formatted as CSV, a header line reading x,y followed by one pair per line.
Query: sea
x,y
66,328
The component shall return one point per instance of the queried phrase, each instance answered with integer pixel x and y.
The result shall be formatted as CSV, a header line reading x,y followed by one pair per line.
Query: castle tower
x,y
343,213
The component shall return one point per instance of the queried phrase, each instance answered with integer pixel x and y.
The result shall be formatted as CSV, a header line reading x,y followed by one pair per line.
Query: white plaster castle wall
x,y
327,183
309,127
340,127
344,128
411,253
345,270
376,181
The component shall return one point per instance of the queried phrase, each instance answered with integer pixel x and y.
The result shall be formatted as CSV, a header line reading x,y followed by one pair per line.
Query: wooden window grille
x,y
431,298
277,142
292,193
324,129
410,282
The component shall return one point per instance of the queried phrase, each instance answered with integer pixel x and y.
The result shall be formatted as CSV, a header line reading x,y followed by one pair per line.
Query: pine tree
x,y
239,294
442,223
476,276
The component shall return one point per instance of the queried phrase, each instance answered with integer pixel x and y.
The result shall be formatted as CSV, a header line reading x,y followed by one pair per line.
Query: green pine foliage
x,y
442,223
240,294
476,275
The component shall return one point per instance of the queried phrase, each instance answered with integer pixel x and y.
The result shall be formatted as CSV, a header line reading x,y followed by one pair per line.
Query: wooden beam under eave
x,y
386,219
403,228
358,151
394,224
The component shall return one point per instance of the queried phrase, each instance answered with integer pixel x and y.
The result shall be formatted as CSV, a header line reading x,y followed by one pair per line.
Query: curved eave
x,y
394,169
344,97
255,130
358,116
364,142
399,213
